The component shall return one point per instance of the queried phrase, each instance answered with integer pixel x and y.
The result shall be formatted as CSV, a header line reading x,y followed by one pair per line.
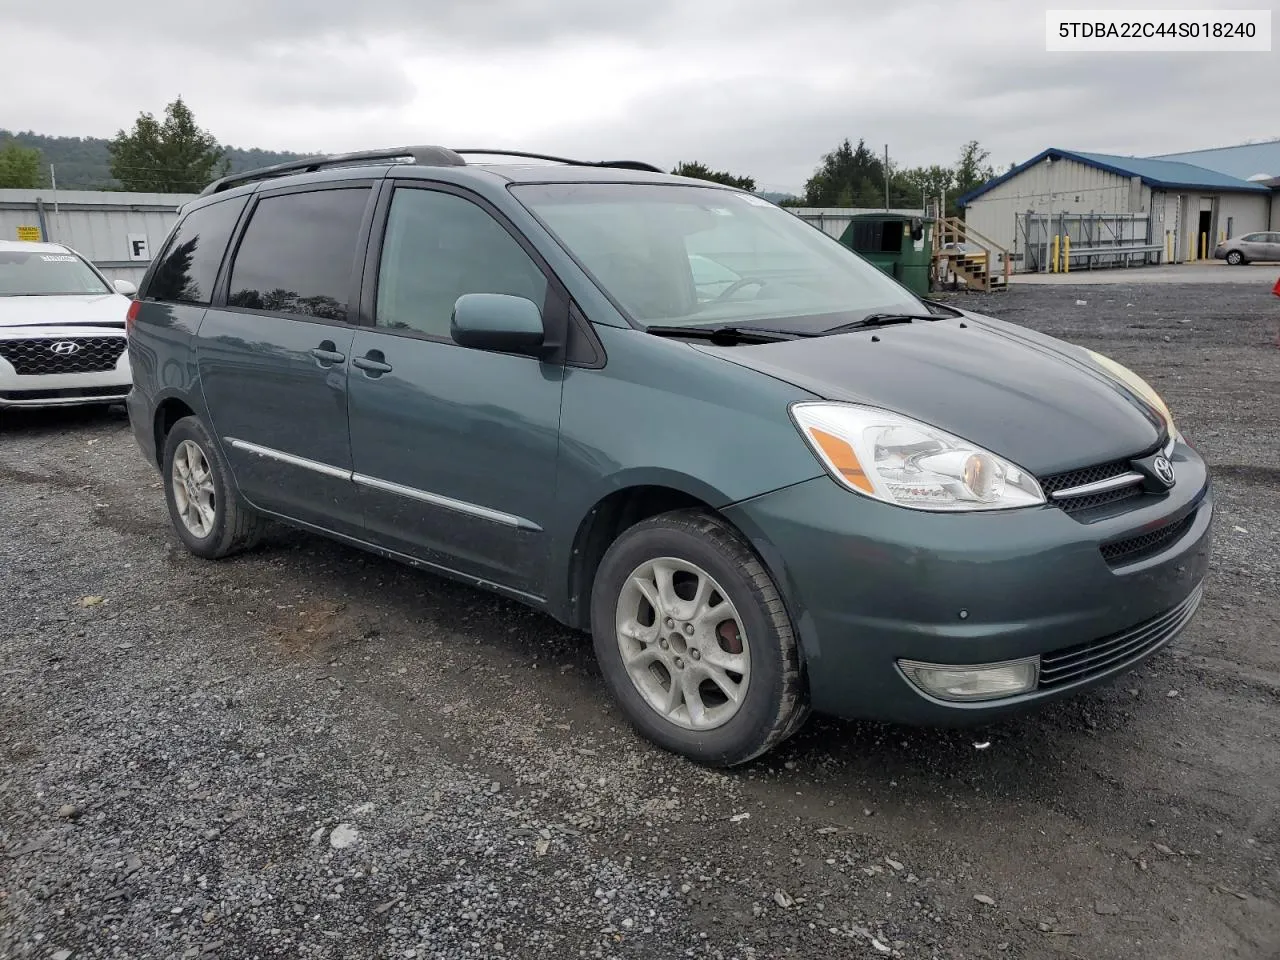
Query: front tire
x,y
694,641
1235,258
206,510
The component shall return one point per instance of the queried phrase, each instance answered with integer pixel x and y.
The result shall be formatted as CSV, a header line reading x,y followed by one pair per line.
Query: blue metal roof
x,y
1162,174
1243,161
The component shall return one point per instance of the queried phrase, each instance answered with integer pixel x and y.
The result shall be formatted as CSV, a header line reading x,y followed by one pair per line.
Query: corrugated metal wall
x,y
1247,211
1062,186
101,225
835,220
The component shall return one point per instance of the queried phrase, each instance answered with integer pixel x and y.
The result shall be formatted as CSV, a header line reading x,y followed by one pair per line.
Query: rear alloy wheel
x,y
1235,258
206,510
694,641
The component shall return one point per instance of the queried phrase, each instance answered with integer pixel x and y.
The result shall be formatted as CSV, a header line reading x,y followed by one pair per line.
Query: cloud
x,y
751,86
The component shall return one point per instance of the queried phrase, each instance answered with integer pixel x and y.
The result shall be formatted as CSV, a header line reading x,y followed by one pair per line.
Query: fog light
x,y
983,681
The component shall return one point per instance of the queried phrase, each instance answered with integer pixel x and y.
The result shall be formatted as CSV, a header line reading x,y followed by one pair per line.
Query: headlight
x,y
1139,386
899,460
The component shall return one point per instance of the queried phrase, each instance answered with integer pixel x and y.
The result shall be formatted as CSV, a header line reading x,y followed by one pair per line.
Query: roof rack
x,y
622,164
427,156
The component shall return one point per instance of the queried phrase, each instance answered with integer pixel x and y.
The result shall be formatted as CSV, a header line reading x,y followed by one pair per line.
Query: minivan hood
x,y
1036,401
100,309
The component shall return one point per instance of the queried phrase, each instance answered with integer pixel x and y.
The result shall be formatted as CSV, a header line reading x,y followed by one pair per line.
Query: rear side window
x,y
298,253
187,270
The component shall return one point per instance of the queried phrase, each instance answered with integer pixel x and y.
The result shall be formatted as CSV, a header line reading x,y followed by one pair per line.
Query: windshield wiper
x,y
728,334
881,320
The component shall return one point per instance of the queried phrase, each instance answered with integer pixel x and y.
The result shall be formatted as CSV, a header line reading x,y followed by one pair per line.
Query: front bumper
x,y
869,584
63,389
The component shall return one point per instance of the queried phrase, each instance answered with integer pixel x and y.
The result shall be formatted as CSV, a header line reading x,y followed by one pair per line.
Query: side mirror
x,y
127,287
498,322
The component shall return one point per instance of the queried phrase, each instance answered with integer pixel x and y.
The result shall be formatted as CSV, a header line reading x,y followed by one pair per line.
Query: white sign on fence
x,y
138,247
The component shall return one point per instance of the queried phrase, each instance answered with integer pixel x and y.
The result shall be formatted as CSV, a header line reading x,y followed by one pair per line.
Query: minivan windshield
x,y
674,255
46,273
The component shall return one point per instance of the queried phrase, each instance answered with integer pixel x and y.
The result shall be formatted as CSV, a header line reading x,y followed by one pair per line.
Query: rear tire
x,y
713,671
207,512
1235,258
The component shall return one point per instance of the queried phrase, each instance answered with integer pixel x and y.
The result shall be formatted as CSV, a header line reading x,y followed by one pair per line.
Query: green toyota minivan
x,y
764,475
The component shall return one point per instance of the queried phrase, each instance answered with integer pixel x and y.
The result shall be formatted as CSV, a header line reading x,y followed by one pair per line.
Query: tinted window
x,y
297,253
439,246
189,266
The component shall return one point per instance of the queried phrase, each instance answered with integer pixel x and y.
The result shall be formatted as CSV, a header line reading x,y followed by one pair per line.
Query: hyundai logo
x,y
65,348
1164,470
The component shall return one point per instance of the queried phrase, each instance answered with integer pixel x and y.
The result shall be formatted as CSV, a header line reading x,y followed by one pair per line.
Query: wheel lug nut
x,y
688,628
696,654
670,623
679,663
663,644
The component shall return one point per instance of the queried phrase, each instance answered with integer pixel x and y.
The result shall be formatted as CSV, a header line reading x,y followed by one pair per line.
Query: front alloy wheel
x,y
683,644
694,641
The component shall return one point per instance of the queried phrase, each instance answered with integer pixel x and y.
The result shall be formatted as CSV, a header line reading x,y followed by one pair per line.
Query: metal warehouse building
x,y
116,231
1258,161
1116,210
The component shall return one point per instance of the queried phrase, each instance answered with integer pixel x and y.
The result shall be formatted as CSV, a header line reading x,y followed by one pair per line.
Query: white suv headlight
x,y
901,461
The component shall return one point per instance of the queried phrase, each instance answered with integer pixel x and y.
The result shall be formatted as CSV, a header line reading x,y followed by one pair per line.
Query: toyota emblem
x,y
65,348
1164,470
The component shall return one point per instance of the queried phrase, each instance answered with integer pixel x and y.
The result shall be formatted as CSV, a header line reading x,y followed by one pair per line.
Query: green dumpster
x,y
899,245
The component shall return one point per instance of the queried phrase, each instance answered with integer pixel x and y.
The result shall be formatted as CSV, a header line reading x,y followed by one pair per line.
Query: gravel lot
x,y
311,752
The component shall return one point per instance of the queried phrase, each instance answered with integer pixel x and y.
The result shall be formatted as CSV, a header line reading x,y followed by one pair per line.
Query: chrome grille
x,y
1078,478
36,357
1073,664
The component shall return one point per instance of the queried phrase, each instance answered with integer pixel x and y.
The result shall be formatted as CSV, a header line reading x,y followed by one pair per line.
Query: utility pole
x,y
886,178
53,177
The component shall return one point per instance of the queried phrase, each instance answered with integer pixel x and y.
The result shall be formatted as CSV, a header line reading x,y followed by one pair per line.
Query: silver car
x,y
1249,248
62,329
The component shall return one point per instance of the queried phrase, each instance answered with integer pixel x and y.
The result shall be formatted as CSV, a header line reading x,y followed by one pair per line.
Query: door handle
x,y
373,364
328,353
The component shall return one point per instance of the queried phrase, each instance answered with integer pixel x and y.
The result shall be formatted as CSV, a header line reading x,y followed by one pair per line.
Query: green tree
x,y
972,169
174,156
700,171
848,176
20,167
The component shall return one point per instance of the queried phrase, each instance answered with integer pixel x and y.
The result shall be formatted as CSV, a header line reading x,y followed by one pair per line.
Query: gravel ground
x,y
311,752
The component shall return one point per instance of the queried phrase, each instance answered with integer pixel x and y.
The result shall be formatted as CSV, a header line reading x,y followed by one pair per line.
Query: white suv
x,y
62,328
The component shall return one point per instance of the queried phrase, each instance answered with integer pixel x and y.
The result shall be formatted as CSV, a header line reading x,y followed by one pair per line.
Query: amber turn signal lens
x,y
842,457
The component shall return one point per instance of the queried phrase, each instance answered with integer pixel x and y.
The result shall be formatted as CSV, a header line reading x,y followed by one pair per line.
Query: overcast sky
x,y
759,88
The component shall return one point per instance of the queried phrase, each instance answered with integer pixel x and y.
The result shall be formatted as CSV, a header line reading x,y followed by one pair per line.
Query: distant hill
x,y
83,163
775,196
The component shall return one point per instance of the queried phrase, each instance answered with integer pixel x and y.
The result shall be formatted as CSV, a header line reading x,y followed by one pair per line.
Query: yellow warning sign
x,y
29,233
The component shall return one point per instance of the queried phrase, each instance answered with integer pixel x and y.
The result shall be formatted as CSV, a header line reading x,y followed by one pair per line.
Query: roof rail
x,y
622,164
425,155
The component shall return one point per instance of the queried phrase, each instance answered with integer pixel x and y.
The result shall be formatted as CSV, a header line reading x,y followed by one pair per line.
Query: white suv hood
x,y
74,310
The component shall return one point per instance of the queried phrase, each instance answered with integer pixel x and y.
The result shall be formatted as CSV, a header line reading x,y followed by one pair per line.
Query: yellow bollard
x,y
1053,255
1168,246
1191,248
1066,254
1204,246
